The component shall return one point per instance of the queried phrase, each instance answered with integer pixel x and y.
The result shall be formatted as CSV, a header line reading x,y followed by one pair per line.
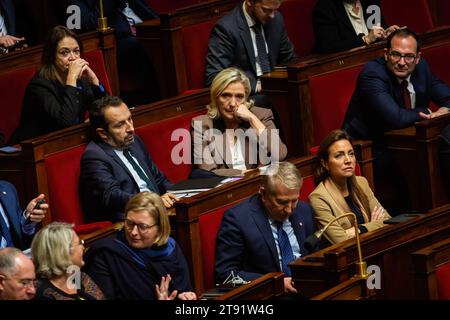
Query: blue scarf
x,y
143,256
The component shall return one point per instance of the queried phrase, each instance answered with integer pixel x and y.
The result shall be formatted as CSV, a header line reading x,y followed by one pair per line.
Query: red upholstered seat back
x,y
443,281
63,173
97,64
209,224
157,138
443,12
307,187
12,91
330,95
418,17
195,47
298,20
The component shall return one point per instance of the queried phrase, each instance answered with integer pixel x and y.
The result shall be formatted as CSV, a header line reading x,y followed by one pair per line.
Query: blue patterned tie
x,y
263,58
285,249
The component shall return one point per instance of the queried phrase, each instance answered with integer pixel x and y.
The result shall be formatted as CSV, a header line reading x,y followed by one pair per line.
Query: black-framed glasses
x,y
142,227
397,56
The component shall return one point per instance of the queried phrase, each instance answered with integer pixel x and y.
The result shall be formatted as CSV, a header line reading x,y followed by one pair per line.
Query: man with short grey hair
x,y
17,275
265,232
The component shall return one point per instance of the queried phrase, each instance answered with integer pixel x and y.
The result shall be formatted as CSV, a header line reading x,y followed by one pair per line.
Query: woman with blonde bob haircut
x,y
340,191
234,135
58,256
143,262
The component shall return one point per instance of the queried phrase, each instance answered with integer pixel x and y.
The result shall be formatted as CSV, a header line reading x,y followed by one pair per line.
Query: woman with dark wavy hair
x,y
61,92
339,191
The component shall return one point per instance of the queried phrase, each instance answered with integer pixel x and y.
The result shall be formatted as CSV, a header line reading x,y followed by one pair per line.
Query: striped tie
x,y
263,58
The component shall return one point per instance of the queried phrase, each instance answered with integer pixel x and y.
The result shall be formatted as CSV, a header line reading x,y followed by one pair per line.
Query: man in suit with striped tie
x,y
116,164
265,232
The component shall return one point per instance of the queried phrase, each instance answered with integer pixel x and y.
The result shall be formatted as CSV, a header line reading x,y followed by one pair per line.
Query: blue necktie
x,y
150,185
5,233
285,249
263,58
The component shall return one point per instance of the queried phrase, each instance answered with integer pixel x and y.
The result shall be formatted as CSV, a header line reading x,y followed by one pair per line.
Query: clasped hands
x,y
79,68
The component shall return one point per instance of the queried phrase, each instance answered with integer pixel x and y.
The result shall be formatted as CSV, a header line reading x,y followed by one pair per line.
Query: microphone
x,y
313,240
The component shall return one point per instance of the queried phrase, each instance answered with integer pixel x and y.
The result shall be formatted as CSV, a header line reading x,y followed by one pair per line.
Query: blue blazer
x,y
8,13
245,242
113,11
377,104
14,213
230,45
106,184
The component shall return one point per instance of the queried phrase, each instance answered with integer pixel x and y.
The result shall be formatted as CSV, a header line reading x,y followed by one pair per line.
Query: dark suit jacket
x,y
333,30
377,104
50,106
245,243
8,13
11,206
230,45
113,11
106,184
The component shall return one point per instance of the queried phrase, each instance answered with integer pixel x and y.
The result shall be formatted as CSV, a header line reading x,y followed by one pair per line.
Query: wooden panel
x,y
416,150
388,247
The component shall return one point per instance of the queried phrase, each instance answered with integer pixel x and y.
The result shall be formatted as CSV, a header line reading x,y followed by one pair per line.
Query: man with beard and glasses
x,y
116,164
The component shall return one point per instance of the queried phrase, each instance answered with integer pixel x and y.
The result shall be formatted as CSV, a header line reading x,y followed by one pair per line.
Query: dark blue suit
x,y
8,13
377,104
106,184
245,242
230,45
11,207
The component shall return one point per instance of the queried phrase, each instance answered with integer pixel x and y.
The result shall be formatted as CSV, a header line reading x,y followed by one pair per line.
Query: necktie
x,y
263,58
285,249
406,95
5,233
151,186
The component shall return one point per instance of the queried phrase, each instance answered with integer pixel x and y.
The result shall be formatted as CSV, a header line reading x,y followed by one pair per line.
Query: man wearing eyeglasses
x,y
393,92
253,38
17,275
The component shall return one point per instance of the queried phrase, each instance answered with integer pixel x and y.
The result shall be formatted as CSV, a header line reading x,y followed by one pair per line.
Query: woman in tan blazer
x,y
234,136
339,191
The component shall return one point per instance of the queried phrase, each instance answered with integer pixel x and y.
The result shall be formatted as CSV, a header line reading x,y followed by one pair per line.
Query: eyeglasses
x,y
26,283
396,56
80,243
142,227
228,96
66,52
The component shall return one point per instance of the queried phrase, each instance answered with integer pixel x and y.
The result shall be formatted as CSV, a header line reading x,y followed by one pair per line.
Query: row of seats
x,y
191,29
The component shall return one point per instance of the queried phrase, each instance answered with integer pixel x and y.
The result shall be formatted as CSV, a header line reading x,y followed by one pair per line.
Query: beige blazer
x,y
216,158
326,209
